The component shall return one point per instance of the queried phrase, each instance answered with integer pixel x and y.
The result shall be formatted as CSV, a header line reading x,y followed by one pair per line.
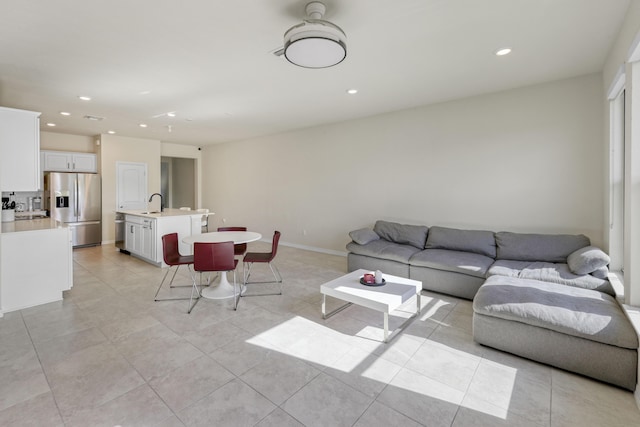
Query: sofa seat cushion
x,y
384,249
549,272
577,312
456,261
538,247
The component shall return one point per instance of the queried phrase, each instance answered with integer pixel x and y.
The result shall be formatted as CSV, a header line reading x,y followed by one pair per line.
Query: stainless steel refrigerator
x,y
75,199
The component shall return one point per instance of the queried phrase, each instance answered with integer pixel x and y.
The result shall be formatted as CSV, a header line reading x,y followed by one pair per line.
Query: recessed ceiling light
x,y
111,132
65,113
352,91
143,125
51,124
85,98
503,51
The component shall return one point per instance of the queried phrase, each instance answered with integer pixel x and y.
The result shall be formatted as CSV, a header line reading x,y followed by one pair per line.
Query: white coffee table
x,y
386,298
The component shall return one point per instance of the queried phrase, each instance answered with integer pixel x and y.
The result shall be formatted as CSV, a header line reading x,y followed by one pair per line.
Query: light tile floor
x,y
108,355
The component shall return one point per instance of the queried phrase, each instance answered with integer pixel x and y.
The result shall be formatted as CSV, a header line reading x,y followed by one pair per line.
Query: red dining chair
x,y
218,257
240,248
172,257
263,257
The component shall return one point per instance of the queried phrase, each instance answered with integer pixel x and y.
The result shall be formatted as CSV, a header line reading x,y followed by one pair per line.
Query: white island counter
x,y
144,231
37,263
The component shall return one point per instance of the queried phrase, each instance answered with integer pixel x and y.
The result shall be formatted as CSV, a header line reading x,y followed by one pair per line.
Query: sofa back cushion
x,y
363,236
587,260
538,247
476,241
414,235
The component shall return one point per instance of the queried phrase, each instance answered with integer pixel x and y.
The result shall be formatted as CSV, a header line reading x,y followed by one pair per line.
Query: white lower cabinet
x,y
140,238
143,237
148,240
37,266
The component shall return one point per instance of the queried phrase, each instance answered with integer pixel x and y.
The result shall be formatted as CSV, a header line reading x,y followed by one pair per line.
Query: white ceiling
x,y
210,61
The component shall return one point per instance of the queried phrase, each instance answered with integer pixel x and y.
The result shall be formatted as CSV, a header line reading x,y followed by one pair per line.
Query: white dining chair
x,y
205,219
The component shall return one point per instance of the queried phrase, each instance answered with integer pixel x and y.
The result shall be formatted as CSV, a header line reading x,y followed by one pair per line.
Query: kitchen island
x,y
144,230
37,263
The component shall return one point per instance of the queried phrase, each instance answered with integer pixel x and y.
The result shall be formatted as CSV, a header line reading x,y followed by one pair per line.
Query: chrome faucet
x,y
161,200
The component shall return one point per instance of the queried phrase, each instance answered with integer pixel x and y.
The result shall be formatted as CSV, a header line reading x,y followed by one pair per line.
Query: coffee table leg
x,y
326,315
324,305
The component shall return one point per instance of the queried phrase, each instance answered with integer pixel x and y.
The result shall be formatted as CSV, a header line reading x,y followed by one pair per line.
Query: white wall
x,y
188,152
115,148
66,142
526,160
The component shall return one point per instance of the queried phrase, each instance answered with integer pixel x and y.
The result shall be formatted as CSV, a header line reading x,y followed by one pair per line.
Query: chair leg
x,y
155,297
195,287
276,275
245,276
173,277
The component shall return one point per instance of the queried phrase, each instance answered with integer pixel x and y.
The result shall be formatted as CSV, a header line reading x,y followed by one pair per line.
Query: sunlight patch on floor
x,y
490,391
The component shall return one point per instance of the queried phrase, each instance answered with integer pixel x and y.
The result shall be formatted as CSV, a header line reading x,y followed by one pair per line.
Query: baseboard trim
x,y
310,248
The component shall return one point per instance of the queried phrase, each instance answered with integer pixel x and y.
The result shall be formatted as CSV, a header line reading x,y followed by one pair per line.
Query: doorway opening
x,y
178,181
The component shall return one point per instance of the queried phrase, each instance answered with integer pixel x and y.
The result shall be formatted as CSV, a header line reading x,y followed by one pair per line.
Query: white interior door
x,y
131,188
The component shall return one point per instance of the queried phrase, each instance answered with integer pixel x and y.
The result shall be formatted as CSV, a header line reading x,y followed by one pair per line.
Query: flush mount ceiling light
x,y
503,51
315,43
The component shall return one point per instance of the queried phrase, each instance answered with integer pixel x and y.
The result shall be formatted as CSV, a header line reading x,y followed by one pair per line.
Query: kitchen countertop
x,y
31,225
166,213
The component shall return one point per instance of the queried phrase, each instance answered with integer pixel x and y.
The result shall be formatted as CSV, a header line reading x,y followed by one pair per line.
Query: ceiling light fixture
x,y
111,132
85,98
65,113
143,125
352,91
171,114
51,124
315,43
503,51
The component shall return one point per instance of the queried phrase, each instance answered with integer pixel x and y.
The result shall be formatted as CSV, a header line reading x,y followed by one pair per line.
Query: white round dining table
x,y
222,289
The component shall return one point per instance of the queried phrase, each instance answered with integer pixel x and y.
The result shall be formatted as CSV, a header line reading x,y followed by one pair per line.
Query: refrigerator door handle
x,y
75,198
76,224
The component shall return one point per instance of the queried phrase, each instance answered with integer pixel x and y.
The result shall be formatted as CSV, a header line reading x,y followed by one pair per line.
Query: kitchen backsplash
x,y
21,198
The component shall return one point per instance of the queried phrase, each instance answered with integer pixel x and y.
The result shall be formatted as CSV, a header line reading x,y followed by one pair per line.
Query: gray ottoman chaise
x,y
543,297
580,330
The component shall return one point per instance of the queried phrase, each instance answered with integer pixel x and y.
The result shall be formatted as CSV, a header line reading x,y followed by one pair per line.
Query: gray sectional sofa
x,y
543,297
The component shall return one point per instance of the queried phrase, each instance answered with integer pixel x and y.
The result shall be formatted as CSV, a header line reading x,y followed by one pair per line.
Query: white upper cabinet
x,y
19,150
64,161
